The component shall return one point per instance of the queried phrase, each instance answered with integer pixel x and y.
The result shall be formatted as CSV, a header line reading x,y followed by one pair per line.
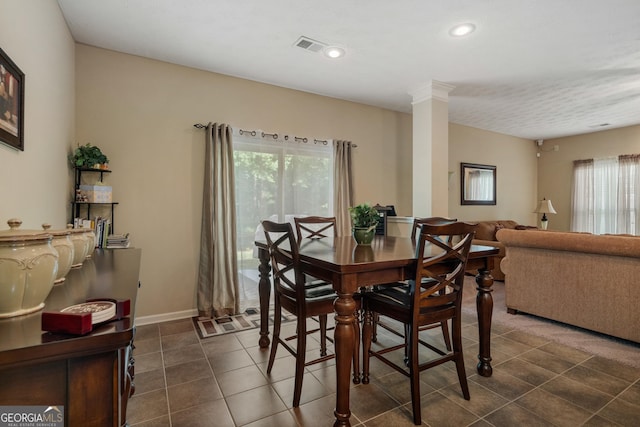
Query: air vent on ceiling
x,y
309,44
601,125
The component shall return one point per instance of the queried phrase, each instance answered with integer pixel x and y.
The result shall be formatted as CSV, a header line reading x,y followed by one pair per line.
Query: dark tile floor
x,y
184,381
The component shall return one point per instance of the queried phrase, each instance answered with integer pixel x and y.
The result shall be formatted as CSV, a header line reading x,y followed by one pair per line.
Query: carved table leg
x,y
264,290
345,307
484,305
367,338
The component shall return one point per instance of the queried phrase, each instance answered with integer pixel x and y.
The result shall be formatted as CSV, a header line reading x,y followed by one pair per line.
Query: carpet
x,y
249,319
602,345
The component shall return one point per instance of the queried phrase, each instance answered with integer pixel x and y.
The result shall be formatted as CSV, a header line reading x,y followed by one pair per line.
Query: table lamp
x,y
544,208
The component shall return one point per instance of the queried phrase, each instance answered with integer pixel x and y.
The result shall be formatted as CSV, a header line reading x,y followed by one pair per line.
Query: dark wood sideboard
x,y
90,375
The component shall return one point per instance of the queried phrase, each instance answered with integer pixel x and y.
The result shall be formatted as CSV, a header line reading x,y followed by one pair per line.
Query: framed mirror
x,y
477,184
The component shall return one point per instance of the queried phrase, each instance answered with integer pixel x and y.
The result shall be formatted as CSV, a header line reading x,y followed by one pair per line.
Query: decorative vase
x,y
63,244
80,242
28,268
364,236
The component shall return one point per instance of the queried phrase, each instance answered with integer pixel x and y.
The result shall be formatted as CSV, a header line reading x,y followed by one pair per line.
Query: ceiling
x,y
535,69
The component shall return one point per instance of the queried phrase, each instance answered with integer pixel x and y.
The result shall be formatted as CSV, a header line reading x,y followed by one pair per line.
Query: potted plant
x,y
364,219
88,156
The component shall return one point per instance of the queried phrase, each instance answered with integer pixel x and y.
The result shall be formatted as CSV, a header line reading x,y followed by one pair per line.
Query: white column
x,y
431,149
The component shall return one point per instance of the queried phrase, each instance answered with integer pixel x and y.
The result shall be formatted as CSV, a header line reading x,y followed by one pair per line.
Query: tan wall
x,y
556,167
516,167
35,184
141,113
144,122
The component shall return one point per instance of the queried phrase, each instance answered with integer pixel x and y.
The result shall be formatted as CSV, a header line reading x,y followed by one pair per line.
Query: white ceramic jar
x,y
91,241
63,244
28,267
80,245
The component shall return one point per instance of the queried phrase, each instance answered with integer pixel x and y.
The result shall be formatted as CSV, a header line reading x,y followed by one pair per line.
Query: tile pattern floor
x,y
184,381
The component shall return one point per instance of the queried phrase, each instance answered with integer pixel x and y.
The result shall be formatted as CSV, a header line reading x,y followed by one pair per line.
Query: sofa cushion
x,y
486,230
526,227
508,224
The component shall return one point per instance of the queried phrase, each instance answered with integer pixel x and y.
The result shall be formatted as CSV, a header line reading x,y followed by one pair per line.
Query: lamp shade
x,y
545,207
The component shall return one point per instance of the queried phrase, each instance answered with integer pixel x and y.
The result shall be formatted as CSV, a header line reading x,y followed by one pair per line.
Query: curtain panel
x,y
606,195
217,276
343,186
628,215
582,196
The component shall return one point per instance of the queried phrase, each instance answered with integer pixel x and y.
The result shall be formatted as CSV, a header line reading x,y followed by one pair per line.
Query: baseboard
x,y
166,317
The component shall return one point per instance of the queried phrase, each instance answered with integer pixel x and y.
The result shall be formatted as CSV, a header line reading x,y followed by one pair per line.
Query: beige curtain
x,y
605,195
342,186
217,276
628,220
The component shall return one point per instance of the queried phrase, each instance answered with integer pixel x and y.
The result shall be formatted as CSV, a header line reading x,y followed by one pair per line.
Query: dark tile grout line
x,y
164,376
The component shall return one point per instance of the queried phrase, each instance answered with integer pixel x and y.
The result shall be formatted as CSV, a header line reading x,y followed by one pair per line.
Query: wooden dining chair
x,y
417,223
315,227
292,295
434,295
433,220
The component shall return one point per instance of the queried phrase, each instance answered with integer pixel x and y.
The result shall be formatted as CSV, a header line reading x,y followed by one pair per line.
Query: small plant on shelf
x,y
88,156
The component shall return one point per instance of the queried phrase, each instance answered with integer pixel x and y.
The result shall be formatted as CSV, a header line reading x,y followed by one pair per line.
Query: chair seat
x,y
396,299
396,294
314,283
320,292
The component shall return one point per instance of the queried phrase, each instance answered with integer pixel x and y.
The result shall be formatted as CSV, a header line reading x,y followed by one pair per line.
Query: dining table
x,y
349,266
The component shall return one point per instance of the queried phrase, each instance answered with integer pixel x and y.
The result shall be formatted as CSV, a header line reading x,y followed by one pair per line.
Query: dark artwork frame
x,y
466,199
11,103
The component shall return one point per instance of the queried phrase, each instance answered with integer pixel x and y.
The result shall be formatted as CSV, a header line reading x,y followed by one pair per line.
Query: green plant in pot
x,y
364,219
88,156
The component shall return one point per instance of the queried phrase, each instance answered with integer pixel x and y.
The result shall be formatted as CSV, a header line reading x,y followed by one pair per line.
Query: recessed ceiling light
x,y
334,52
462,30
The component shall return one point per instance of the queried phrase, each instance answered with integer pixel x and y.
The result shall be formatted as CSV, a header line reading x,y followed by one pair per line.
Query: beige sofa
x,y
486,235
585,280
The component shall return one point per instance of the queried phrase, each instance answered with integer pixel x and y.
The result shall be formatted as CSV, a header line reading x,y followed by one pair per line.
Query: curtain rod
x,y
274,135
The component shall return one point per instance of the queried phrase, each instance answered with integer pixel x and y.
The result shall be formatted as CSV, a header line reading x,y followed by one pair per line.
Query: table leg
x,y
344,339
484,306
264,290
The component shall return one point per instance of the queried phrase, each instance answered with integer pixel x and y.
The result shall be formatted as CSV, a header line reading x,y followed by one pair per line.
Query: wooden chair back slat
x,y
315,227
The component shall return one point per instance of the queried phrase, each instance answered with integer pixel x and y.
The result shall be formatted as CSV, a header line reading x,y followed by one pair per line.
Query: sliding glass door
x,y
276,180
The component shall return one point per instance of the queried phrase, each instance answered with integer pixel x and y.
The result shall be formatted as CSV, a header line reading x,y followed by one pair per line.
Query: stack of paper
x,y
115,241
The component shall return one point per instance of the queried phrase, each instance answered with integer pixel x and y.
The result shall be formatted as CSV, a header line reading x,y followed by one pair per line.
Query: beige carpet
x,y
597,344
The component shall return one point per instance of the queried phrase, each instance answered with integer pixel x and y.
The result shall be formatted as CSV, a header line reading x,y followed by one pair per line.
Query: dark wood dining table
x,y
349,266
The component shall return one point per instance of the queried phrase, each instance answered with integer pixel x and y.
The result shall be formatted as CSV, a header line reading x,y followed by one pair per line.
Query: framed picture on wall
x,y
11,103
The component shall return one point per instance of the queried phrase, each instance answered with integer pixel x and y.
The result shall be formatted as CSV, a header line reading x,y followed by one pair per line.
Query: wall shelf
x,y
76,206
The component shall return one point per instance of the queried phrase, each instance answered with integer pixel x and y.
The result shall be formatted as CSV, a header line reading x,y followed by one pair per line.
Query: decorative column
x,y
431,149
